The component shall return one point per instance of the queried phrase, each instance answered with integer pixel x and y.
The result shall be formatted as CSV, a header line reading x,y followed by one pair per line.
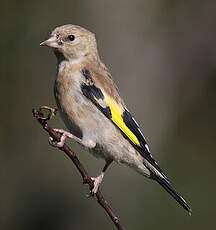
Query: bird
x,y
93,111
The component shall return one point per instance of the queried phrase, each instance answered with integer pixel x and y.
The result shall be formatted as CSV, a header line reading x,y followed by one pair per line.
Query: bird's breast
x,y
68,98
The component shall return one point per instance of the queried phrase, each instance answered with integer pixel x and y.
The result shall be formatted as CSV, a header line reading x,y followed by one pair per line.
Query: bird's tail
x,y
157,174
169,188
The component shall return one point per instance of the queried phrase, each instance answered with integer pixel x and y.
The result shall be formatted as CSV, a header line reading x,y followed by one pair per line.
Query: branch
x,y
86,179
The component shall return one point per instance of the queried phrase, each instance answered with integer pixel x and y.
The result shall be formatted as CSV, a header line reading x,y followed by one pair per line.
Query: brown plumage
x,y
92,109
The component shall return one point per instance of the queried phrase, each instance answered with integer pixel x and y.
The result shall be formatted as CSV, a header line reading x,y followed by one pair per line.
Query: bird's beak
x,y
50,42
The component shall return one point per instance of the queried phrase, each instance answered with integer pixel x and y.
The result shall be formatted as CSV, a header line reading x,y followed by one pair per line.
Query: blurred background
x,y
162,55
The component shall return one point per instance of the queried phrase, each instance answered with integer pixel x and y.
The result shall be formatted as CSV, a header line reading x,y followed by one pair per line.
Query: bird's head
x,y
71,42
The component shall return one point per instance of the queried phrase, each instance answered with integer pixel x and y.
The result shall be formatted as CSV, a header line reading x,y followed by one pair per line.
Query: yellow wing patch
x,y
117,111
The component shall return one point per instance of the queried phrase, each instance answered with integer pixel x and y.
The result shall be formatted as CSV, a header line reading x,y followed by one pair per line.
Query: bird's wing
x,y
121,117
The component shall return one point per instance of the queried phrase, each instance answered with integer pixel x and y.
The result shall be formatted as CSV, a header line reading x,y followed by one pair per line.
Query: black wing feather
x,y
142,149
93,93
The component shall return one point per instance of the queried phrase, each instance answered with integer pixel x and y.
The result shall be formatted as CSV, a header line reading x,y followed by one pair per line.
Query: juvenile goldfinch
x,y
92,109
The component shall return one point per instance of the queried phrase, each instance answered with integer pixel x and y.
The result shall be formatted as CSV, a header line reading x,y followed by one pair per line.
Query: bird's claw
x,y
96,185
54,143
64,135
97,181
90,194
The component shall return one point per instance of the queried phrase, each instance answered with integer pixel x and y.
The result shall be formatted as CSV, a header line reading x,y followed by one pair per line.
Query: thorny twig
x,y
86,179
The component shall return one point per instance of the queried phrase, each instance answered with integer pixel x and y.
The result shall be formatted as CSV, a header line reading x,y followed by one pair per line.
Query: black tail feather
x,y
169,188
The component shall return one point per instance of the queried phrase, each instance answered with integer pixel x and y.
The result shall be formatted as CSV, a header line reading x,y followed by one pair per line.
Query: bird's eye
x,y
71,37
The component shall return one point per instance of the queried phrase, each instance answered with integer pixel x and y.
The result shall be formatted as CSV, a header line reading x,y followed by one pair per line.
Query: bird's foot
x,y
64,135
97,182
52,111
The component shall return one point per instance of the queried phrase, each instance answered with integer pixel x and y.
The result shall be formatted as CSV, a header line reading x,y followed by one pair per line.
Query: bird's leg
x,y
64,135
97,180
